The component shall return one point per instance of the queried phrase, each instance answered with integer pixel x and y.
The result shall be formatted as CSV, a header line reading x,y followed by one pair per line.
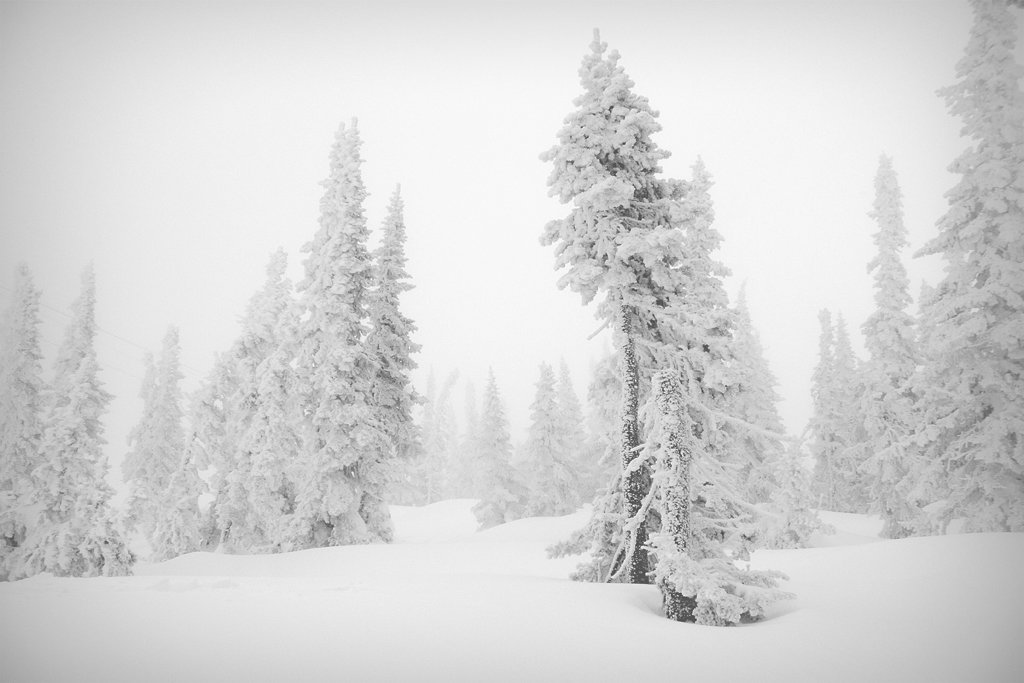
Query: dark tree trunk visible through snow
x,y
636,483
677,457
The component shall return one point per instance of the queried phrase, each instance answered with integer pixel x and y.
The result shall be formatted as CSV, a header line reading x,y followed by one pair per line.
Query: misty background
x,y
176,146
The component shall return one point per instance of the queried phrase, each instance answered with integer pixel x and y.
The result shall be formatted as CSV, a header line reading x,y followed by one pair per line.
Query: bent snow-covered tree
x,y
606,166
647,245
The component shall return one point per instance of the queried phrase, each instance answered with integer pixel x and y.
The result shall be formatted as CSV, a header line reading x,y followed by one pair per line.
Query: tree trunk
x,y
677,460
636,483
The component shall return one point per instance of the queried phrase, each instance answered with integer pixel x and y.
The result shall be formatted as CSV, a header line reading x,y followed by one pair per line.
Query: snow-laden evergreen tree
x,y
462,477
887,401
335,369
178,530
790,519
604,400
692,442
71,528
547,464
504,493
272,440
647,244
602,536
429,474
216,426
410,488
573,425
970,424
837,422
760,446
606,165
771,472
825,445
158,440
22,391
848,391
392,394
706,524
141,446
700,542
231,410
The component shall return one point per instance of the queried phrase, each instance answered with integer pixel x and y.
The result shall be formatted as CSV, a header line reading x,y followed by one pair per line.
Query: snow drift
x,y
447,603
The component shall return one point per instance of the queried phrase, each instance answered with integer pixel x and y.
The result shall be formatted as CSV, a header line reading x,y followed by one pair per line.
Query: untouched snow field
x,y
445,603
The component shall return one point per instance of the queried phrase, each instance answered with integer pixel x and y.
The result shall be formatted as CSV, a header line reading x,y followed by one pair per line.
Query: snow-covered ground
x,y
445,603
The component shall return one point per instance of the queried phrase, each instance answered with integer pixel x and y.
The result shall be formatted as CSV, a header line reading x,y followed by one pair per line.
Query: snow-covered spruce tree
x,y
272,439
790,519
230,413
22,391
462,475
178,530
158,440
429,473
447,432
604,405
699,543
824,445
141,447
887,401
837,423
547,464
215,428
761,446
606,165
970,421
693,343
410,489
771,473
602,536
572,424
848,390
392,394
504,495
335,369
72,530
690,420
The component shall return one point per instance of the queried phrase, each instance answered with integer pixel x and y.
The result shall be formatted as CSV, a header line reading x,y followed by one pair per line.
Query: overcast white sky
x,y
176,145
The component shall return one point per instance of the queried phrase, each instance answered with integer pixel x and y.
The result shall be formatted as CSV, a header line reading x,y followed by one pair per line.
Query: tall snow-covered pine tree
x,y
392,394
971,414
22,392
547,462
887,401
73,530
606,166
503,493
335,369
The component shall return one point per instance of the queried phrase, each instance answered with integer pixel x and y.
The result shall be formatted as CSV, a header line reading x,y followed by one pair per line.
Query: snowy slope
x,y
445,603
